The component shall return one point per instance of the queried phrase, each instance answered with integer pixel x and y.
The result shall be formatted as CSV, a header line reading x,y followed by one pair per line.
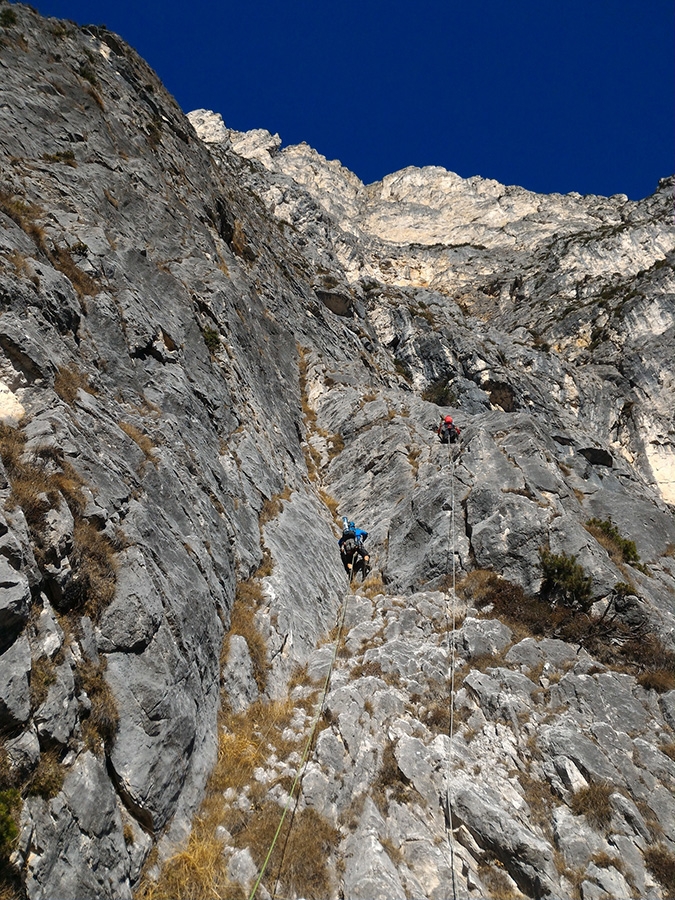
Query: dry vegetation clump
x,y
94,562
199,872
331,503
68,380
299,859
593,803
101,724
272,507
47,779
248,598
247,740
85,286
336,445
37,488
661,863
372,668
497,883
42,675
25,215
372,586
391,783
540,800
609,639
668,749
141,440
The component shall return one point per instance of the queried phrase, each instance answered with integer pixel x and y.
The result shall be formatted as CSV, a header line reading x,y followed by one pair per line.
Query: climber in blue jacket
x,y
351,544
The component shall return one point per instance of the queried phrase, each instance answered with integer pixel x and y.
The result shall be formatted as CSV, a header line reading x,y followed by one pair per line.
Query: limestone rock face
x,y
211,349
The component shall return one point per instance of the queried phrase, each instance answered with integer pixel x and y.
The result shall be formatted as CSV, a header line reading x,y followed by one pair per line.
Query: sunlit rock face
x,y
590,277
212,348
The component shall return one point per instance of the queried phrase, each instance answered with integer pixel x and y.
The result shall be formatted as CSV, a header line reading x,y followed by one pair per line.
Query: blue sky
x,y
571,95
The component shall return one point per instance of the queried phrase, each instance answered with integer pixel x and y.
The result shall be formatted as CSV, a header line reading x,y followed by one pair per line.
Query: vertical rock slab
x,y
77,847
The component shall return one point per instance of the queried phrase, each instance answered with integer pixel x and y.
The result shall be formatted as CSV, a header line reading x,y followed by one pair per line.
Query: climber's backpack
x,y
349,543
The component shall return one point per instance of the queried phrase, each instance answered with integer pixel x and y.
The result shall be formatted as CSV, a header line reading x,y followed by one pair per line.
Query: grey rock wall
x,y
211,351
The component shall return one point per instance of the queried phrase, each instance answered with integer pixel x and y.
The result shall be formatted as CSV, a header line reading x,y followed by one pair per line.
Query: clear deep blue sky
x,y
553,95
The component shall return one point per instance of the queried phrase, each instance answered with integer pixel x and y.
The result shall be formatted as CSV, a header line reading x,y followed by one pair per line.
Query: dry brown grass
x,y
199,872
364,669
497,883
141,440
67,157
84,284
372,586
68,380
242,622
299,859
36,491
661,863
24,214
47,779
101,724
593,803
604,861
94,562
391,783
336,445
331,503
668,749
42,676
539,799
660,680
272,507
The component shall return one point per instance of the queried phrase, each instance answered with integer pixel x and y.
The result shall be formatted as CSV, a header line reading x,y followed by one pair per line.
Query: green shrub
x,y
564,580
7,18
211,339
440,393
614,543
10,802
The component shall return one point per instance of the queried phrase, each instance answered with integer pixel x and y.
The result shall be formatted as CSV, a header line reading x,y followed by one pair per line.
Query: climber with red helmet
x,y
447,431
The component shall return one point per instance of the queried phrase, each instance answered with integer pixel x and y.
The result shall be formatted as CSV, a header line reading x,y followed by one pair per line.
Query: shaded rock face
x,y
207,349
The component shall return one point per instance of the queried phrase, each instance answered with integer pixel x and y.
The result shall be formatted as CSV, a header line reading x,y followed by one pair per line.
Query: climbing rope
x,y
450,629
304,760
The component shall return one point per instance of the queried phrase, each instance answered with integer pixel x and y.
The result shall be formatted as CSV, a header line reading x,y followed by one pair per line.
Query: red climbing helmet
x,y
448,420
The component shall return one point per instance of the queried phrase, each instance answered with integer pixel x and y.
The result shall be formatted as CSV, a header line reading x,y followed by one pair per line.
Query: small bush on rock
x,y
440,393
593,803
211,339
661,863
7,18
565,580
47,779
619,548
10,803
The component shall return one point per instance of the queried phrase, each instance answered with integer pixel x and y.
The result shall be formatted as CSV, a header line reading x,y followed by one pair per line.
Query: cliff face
x,y
207,350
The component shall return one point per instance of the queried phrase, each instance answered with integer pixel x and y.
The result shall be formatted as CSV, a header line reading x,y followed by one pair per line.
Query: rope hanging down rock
x,y
303,761
450,631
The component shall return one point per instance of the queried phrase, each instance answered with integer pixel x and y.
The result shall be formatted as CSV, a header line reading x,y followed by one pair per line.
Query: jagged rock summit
x,y
210,350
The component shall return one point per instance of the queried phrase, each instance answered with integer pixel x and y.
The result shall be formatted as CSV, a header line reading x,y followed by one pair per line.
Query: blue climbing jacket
x,y
352,534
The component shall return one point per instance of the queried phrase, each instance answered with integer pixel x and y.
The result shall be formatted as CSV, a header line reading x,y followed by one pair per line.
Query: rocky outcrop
x,y
209,351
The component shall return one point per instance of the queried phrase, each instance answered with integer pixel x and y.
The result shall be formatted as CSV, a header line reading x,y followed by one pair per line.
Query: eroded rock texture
x,y
209,351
